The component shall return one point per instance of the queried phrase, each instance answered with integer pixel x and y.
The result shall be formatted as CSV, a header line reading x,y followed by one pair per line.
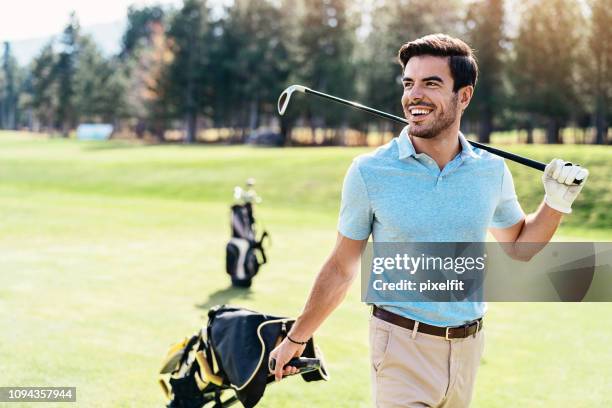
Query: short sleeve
x,y
355,220
508,210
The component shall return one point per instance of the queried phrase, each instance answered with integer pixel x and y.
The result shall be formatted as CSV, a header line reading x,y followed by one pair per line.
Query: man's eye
x,y
432,84
407,85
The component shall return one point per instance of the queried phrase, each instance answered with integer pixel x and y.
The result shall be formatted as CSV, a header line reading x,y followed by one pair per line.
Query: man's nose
x,y
415,93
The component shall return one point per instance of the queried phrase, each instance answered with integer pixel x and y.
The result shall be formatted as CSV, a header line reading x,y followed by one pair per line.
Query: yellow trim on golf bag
x,y
208,374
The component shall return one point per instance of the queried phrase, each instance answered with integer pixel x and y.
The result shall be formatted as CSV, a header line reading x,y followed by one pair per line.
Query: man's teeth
x,y
419,111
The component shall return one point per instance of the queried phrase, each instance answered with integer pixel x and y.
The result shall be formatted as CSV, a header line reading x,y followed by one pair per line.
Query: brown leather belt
x,y
459,332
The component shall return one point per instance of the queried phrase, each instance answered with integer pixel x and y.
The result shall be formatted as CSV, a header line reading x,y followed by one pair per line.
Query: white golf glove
x,y
558,184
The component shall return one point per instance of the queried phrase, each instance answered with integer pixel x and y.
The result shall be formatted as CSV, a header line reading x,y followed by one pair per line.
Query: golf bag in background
x,y
244,253
227,360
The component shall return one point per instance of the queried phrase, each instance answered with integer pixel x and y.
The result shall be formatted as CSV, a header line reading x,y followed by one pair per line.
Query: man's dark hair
x,y
463,67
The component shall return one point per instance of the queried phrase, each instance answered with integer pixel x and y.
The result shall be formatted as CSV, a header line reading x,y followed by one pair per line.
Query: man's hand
x,y
284,352
558,183
329,289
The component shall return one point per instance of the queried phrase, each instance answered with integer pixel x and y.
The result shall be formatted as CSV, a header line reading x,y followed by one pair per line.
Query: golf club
x,y
304,364
285,97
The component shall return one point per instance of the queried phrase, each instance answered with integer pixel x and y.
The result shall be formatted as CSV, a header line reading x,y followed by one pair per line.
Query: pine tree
x,y
187,79
545,65
9,90
324,57
486,19
44,98
64,72
255,54
600,46
98,85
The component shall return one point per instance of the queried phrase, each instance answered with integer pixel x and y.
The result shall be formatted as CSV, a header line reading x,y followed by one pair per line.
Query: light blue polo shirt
x,y
398,195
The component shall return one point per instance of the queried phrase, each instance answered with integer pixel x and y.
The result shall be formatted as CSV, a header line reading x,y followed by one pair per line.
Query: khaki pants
x,y
412,369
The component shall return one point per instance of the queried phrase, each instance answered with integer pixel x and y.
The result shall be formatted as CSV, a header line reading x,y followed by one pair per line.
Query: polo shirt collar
x,y
466,147
406,148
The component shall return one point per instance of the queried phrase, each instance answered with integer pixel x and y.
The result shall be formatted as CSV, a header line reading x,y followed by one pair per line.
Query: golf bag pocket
x,y
241,261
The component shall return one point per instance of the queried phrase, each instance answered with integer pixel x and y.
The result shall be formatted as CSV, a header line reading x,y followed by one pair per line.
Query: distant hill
x,y
106,35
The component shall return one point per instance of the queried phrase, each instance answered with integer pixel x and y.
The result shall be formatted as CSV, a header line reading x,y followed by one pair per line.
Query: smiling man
x,y
427,185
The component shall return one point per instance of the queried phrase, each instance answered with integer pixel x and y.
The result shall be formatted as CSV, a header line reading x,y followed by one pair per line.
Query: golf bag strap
x,y
209,357
208,350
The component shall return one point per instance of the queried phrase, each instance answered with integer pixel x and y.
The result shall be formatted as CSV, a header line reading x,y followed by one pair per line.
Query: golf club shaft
x,y
534,164
358,106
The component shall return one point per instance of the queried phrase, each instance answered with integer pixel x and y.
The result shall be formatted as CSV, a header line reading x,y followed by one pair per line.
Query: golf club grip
x,y
534,164
298,362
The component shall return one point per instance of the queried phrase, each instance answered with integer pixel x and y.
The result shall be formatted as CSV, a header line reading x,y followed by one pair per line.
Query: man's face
x,y
429,103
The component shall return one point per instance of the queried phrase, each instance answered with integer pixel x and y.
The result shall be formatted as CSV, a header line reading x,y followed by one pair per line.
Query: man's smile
x,y
419,113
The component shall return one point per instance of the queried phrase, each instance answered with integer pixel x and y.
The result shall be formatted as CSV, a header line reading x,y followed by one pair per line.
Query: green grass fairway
x,y
110,252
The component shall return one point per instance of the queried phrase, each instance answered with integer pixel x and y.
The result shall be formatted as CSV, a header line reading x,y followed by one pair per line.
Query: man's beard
x,y
436,125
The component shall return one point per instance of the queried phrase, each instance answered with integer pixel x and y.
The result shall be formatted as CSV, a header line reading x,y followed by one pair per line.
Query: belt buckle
x,y
465,328
447,333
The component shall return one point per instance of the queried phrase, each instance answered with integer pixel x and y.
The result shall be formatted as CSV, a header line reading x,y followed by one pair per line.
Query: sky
x,y
26,19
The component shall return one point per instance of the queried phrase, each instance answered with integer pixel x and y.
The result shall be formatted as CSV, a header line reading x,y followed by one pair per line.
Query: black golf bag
x,y
227,361
242,261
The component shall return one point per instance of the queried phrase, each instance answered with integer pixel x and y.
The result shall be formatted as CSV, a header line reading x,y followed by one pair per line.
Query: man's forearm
x,y
537,230
330,288
541,225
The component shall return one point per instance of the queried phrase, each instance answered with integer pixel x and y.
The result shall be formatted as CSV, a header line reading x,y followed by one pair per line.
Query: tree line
x,y
543,64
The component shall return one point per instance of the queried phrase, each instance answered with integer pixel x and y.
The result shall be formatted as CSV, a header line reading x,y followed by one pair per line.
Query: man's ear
x,y
465,95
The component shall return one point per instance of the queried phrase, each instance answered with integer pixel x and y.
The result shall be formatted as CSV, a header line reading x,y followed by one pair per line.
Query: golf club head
x,y
285,96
